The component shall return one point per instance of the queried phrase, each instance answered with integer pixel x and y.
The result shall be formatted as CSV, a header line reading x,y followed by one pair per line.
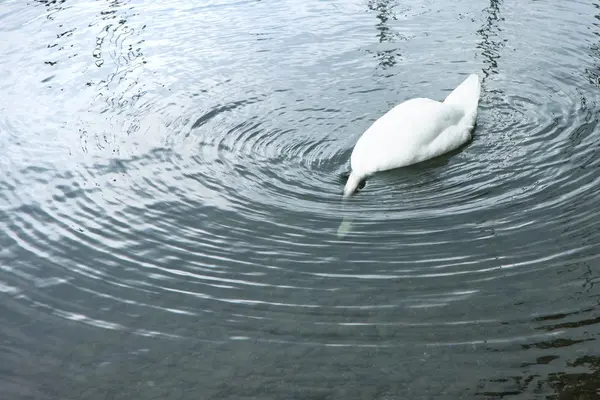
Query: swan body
x,y
414,131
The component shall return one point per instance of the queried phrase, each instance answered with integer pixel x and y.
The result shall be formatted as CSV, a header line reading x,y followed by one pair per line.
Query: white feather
x,y
414,131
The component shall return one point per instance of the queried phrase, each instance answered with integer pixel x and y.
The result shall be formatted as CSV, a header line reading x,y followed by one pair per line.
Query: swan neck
x,y
353,181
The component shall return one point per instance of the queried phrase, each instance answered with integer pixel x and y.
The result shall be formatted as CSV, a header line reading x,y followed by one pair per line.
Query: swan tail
x,y
466,95
352,184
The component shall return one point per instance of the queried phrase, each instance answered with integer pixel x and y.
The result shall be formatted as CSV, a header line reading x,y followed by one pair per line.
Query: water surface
x,y
170,197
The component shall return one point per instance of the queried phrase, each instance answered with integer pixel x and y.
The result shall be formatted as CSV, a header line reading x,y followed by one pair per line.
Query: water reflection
x,y
111,77
53,6
578,379
593,74
566,365
491,43
384,12
583,384
119,43
225,236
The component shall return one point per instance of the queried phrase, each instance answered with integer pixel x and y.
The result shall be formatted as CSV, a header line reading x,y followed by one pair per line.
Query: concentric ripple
x,y
175,172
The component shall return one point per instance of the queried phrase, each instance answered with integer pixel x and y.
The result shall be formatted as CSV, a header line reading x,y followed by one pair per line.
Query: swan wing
x,y
406,134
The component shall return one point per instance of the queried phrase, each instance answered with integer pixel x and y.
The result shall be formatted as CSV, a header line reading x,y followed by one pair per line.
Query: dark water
x,y
170,187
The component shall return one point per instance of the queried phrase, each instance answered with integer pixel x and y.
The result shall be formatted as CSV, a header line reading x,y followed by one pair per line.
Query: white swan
x,y
414,131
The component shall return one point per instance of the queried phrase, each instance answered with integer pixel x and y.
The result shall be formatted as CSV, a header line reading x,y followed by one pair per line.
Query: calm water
x,y
170,187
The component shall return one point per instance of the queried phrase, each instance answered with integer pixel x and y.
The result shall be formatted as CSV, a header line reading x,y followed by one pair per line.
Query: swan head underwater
x,y
414,131
355,181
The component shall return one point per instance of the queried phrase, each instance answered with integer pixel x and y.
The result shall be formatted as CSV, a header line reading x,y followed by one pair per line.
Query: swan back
x,y
402,136
414,131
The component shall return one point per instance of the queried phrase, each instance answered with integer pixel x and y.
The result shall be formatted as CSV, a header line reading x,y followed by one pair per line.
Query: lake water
x,y
170,188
